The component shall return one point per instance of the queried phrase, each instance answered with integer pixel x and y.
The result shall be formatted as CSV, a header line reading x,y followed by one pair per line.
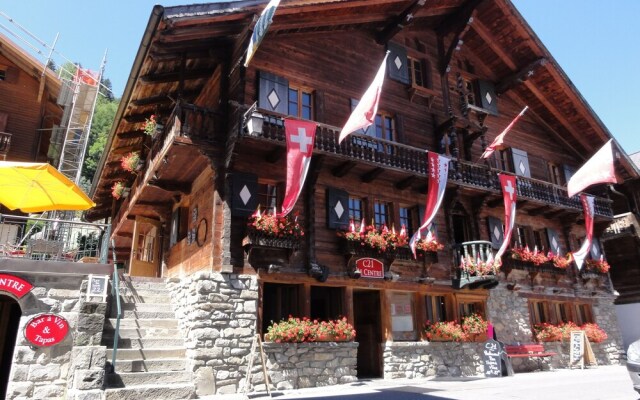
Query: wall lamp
x,y
253,120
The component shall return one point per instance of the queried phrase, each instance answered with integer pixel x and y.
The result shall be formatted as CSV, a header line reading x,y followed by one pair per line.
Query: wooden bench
x,y
527,351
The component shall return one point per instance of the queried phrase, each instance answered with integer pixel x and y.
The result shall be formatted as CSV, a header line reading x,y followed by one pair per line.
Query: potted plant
x,y
475,327
303,330
479,267
446,331
371,241
130,161
271,239
150,125
597,266
118,189
559,261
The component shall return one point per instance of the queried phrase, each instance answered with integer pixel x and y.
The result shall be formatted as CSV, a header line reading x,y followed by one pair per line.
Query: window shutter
x,y
4,117
12,74
370,129
399,122
273,93
397,66
554,242
596,252
318,105
337,208
496,232
521,163
486,96
244,200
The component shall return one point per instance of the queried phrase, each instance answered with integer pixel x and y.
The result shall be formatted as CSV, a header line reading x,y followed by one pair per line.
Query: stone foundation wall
x,y
422,359
305,365
72,369
218,314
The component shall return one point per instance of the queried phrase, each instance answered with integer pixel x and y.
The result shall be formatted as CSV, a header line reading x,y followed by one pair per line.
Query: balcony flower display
x,y
130,161
559,261
477,267
546,332
117,190
301,330
150,125
446,331
430,245
369,237
600,266
270,225
535,257
474,325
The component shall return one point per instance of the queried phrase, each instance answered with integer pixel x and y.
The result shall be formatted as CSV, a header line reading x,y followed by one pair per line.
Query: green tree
x,y
103,117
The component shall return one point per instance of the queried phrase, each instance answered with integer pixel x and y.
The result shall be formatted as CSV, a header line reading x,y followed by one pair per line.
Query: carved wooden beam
x,y
163,98
166,77
538,211
125,149
458,23
371,175
405,183
133,118
520,76
276,154
495,202
343,169
170,186
399,22
131,134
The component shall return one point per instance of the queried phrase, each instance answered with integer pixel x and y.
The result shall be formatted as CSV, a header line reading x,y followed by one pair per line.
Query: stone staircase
x,y
150,362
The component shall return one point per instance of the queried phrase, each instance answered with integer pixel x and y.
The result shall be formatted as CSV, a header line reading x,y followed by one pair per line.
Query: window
x,y
540,240
326,302
145,249
539,312
407,219
385,127
419,71
466,308
278,302
583,314
555,175
3,73
562,313
179,225
300,103
437,308
355,209
267,196
381,214
402,322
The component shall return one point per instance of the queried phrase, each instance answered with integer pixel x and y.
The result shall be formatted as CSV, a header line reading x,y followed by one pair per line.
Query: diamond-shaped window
x,y
488,97
273,98
522,167
339,209
245,195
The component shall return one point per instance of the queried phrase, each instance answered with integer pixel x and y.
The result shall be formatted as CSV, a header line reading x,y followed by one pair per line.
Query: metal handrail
x,y
115,290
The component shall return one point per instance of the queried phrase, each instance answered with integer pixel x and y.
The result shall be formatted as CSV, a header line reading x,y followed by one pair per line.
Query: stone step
x,y
164,313
149,323
145,307
140,365
146,343
148,353
148,297
138,285
128,379
137,333
176,391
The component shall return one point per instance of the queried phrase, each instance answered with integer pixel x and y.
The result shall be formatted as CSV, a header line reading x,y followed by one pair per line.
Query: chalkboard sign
x,y
576,357
492,359
97,287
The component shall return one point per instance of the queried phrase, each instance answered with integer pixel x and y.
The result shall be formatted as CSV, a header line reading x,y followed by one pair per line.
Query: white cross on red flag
x,y
438,170
301,136
508,184
588,207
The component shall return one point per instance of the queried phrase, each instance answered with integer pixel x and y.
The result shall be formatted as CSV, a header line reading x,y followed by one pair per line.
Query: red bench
x,y
527,351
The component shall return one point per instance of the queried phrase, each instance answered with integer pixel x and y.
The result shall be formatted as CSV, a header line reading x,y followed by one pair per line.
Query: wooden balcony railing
x,y
623,225
5,143
396,156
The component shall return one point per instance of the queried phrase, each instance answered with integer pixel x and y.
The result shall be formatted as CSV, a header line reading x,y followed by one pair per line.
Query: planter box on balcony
x,y
264,250
404,254
510,263
474,282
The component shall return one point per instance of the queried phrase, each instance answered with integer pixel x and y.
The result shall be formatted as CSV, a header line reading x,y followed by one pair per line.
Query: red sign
x,y
370,268
46,330
14,285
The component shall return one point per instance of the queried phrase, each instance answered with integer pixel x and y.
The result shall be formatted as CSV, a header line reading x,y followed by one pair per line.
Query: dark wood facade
x,y
28,108
474,65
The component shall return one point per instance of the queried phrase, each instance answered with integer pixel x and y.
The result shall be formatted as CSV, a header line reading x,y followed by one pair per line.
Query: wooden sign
x,y
580,350
370,268
97,287
46,330
494,356
14,285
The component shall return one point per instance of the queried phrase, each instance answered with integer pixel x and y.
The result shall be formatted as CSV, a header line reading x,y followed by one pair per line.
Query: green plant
x,y
299,330
474,324
429,245
130,161
150,125
479,267
117,189
445,331
275,226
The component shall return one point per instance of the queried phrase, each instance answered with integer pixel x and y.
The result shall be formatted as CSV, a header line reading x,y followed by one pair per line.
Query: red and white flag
x,y
500,138
598,169
587,206
300,139
365,112
438,167
508,184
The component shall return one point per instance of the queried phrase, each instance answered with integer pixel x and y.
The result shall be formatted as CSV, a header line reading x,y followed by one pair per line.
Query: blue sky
x,y
594,41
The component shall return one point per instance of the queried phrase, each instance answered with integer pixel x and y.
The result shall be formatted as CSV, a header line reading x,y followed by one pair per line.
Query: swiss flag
x,y
588,208
508,184
301,136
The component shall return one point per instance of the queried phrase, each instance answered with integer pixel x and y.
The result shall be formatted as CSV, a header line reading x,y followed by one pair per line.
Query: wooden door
x,y
366,313
145,251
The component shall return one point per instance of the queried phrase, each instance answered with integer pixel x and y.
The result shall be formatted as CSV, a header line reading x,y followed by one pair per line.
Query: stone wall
x,y
305,365
218,314
422,359
72,369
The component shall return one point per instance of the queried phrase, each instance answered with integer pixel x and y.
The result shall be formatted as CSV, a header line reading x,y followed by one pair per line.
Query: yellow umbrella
x,y
36,187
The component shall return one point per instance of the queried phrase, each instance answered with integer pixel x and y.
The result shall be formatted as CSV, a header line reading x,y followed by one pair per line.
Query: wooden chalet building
x,y
458,72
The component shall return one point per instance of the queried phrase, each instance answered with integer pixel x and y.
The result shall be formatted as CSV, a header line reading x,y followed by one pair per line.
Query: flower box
x,y
264,250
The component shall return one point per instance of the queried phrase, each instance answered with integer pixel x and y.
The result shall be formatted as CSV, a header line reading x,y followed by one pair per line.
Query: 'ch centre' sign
x,y
370,268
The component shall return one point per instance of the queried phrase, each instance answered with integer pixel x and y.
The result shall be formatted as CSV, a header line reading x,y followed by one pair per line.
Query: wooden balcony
x,y
5,143
380,153
623,225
